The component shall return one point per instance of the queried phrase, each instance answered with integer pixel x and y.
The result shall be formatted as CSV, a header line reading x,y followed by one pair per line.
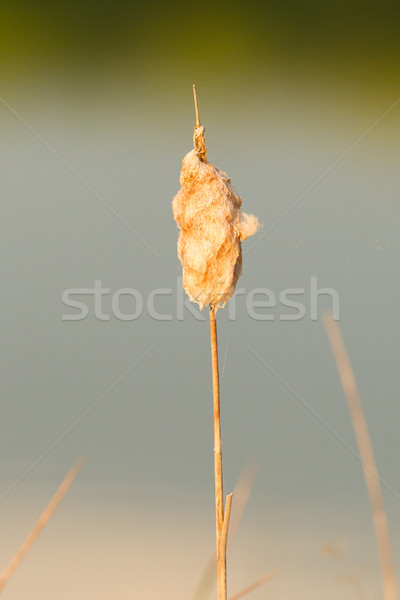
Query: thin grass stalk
x,y
367,457
227,516
241,493
219,497
40,525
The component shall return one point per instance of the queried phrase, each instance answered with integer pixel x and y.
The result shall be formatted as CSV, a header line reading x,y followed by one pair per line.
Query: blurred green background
x,y
96,114
358,39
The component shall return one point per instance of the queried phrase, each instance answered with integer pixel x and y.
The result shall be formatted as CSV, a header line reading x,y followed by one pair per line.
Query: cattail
x,y
207,210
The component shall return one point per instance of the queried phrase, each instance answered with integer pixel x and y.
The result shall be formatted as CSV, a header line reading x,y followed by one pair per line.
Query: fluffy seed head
x,y
207,211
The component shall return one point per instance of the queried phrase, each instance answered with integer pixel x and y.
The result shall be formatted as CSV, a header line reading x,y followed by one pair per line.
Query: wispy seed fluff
x,y
207,211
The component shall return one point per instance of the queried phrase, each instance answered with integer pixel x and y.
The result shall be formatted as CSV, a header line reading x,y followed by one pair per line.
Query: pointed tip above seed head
x,y
196,107
199,141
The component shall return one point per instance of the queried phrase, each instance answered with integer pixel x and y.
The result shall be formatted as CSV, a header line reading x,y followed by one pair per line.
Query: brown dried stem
x,y
367,457
199,140
241,493
40,525
219,498
227,516
196,107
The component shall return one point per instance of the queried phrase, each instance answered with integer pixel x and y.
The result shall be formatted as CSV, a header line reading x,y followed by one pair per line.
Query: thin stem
x,y
196,108
40,524
241,493
199,140
219,501
227,516
367,457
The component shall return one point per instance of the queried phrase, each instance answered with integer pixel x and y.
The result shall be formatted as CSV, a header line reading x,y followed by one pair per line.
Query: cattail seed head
x,y
207,211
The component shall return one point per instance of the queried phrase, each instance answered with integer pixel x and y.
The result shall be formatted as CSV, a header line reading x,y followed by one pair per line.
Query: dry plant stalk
x,y
40,525
207,210
367,457
241,493
219,494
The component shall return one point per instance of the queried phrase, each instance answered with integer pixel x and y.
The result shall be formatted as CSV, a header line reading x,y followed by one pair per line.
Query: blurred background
x,y
96,113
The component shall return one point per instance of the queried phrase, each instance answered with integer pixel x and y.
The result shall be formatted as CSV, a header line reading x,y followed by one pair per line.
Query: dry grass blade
x,y
227,516
255,585
335,551
40,524
241,493
367,457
